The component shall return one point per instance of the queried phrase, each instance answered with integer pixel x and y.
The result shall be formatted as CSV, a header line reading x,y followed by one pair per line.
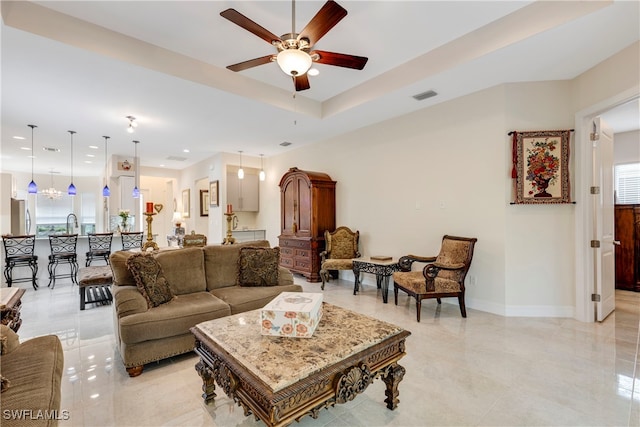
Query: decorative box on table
x,y
292,314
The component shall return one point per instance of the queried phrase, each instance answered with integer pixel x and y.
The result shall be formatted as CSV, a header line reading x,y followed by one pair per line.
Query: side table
x,y
10,304
383,269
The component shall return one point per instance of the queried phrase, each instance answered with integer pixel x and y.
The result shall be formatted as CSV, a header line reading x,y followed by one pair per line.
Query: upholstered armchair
x,y
443,276
341,246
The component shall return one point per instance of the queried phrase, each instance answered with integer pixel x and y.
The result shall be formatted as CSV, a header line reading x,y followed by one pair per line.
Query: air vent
x,y
177,158
55,150
285,144
424,95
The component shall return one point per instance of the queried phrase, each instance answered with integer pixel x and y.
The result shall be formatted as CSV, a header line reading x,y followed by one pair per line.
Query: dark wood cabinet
x,y
627,232
307,209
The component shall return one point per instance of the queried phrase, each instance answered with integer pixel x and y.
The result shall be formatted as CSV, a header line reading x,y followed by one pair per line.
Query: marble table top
x,y
282,361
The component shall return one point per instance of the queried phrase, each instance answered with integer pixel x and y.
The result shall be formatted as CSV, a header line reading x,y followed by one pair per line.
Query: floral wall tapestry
x,y
541,166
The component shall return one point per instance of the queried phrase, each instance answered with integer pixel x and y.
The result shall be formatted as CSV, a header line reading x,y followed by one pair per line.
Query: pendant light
x,y
105,191
240,171
72,188
136,163
262,175
32,188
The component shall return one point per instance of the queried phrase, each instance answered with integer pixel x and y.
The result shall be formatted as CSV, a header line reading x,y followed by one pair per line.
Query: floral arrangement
x,y
124,214
542,165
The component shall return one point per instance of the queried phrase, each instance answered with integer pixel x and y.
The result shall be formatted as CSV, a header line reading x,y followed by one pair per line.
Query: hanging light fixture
x,y
51,192
132,124
240,171
262,175
136,163
72,188
105,191
32,188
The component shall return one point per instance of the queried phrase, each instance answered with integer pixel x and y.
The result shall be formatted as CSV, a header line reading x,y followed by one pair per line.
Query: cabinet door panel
x,y
288,206
304,209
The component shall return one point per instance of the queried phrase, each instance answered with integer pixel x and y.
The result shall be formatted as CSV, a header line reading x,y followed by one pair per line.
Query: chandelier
x,y
51,192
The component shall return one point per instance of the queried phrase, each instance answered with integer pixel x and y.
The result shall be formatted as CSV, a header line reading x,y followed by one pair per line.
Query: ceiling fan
x,y
295,56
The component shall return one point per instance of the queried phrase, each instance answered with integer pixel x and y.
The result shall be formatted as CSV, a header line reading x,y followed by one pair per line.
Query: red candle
x,y
149,207
229,209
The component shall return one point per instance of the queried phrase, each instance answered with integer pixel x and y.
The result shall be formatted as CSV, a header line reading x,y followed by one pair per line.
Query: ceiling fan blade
x,y
249,25
326,18
301,82
250,63
340,59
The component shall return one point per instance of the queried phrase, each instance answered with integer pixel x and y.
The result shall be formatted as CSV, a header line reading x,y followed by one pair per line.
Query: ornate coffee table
x,y
279,380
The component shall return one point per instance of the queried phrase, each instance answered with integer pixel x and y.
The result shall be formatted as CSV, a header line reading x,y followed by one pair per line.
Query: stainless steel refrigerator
x,y
20,222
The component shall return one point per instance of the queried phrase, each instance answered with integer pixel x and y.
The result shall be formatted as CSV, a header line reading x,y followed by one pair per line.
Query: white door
x,y
603,207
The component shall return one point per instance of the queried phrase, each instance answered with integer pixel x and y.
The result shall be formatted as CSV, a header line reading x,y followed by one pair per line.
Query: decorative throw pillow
x,y
4,383
150,279
9,340
258,266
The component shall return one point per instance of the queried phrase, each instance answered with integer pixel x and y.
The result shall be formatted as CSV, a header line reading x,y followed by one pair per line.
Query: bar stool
x,y
63,250
131,240
19,252
99,247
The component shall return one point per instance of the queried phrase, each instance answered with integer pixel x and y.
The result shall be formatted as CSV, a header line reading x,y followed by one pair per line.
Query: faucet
x,y
75,222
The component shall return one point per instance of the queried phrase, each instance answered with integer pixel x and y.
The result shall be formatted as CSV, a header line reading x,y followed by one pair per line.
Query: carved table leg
x,y
392,377
208,382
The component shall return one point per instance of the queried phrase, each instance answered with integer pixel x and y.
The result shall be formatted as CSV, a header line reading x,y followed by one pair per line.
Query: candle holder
x,y
229,240
149,243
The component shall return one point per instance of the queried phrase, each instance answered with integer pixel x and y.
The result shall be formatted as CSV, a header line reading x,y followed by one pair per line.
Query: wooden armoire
x,y
627,232
307,209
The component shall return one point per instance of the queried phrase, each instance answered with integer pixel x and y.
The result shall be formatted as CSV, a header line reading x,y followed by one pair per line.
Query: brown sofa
x,y
32,374
203,279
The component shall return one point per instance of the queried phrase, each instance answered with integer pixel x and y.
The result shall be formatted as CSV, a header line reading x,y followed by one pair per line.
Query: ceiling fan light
x,y
294,62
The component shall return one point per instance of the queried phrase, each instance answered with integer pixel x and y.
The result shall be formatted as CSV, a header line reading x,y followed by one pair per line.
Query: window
x,y
51,214
627,183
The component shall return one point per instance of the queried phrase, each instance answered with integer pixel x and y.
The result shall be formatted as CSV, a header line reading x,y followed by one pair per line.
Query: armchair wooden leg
x,y
323,276
395,294
418,307
439,300
463,309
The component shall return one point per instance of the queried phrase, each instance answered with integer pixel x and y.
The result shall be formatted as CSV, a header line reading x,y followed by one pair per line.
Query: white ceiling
x,y
85,65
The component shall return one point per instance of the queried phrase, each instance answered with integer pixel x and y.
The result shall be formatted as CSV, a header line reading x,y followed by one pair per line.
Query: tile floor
x,y
485,370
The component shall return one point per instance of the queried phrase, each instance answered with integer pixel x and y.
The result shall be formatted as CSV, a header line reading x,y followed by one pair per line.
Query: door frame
x,y
584,268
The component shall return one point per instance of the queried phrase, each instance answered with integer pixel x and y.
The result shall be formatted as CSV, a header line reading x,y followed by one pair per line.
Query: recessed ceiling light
x,y
91,155
18,137
88,161
161,166
186,150
31,157
95,147
26,148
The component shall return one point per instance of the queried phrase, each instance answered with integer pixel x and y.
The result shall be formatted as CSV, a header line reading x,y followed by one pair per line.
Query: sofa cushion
x,y
242,299
173,318
221,263
150,279
9,340
258,266
35,371
184,269
121,274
